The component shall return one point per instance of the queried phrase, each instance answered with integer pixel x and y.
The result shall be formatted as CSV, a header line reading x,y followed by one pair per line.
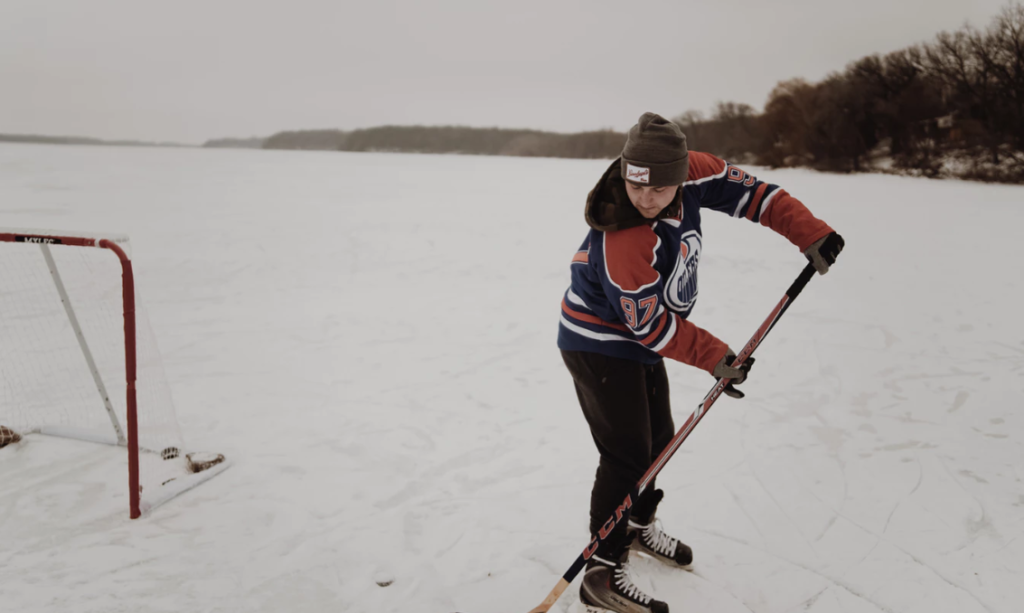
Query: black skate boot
x,y
608,588
651,540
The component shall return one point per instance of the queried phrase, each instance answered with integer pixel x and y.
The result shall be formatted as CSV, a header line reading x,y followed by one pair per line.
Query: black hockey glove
x,y
724,370
824,251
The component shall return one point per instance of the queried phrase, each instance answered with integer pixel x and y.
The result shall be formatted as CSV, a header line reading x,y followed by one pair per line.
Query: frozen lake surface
x,y
371,339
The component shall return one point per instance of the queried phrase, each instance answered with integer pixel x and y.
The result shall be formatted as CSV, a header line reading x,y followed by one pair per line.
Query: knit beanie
x,y
655,153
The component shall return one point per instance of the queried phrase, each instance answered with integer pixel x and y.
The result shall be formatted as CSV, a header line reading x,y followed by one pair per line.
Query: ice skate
x,y
608,588
653,541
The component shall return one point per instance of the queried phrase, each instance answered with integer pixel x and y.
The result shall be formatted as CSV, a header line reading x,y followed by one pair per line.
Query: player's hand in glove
x,y
824,251
724,370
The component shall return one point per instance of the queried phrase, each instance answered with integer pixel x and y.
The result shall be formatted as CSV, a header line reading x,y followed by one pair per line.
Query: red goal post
x,y
51,418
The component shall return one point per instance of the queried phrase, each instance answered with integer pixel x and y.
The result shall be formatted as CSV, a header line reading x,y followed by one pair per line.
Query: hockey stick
x,y
677,440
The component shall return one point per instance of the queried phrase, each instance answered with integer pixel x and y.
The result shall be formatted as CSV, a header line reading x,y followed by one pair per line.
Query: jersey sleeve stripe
x,y
646,329
657,332
767,202
591,334
756,201
581,257
668,335
576,300
739,206
590,319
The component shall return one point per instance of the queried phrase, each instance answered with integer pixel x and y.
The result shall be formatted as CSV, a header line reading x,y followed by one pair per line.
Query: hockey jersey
x,y
634,280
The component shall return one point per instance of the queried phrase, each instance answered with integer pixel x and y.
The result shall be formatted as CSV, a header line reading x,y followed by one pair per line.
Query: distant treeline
x,y
48,140
78,140
255,142
455,139
951,107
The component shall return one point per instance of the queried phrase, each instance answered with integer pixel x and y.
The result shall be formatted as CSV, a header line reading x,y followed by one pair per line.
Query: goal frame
x,y
129,439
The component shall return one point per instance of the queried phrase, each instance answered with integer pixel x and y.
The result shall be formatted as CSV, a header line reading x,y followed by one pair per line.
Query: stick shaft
x,y
677,440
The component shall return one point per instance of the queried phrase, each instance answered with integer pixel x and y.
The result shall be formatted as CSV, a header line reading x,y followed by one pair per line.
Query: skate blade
x,y
669,563
647,553
583,607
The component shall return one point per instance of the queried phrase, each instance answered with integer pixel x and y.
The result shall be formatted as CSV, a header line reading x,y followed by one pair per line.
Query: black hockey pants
x,y
626,404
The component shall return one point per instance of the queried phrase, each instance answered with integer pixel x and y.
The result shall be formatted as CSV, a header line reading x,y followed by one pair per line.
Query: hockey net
x,y
69,345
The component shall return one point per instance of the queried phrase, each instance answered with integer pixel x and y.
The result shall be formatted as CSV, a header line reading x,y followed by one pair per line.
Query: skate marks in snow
x,y
875,572
887,480
682,590
878,517
381,364
45,476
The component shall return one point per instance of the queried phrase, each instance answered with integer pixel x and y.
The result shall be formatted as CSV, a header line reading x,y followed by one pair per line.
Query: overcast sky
x,y
190,70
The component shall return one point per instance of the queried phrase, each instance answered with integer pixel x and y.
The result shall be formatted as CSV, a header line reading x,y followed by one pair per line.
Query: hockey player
x,y
634,284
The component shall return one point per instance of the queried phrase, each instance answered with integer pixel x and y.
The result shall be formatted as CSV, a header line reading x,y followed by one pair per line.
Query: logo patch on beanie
x,y
638,174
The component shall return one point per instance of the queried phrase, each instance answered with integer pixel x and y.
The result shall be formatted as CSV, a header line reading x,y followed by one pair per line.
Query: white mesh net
x,y
64,379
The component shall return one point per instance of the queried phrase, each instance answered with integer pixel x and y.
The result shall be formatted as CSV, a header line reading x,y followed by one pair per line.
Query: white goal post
x,y
78,360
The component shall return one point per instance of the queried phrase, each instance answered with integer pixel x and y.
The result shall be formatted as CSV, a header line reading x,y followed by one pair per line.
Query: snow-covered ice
x,y
371,339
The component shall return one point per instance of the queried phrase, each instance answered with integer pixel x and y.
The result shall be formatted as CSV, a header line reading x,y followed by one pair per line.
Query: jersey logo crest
x,y
681,289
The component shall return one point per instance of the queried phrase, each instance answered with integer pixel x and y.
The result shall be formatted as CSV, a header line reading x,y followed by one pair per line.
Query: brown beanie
x,y
655,153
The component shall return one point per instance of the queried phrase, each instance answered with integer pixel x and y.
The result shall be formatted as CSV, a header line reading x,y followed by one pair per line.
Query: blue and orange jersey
x,y
634,281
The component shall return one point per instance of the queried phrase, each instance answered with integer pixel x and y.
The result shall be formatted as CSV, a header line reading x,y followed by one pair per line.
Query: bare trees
x,y
963,92
959,96
734,130
455,139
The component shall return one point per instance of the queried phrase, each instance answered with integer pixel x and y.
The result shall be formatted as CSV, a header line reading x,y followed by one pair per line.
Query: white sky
x,y
192,70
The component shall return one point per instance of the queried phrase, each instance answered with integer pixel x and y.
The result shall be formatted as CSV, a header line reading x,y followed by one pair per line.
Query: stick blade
x,y
552,598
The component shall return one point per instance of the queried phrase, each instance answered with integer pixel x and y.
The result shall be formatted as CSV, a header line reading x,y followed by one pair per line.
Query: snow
x,y
371,339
